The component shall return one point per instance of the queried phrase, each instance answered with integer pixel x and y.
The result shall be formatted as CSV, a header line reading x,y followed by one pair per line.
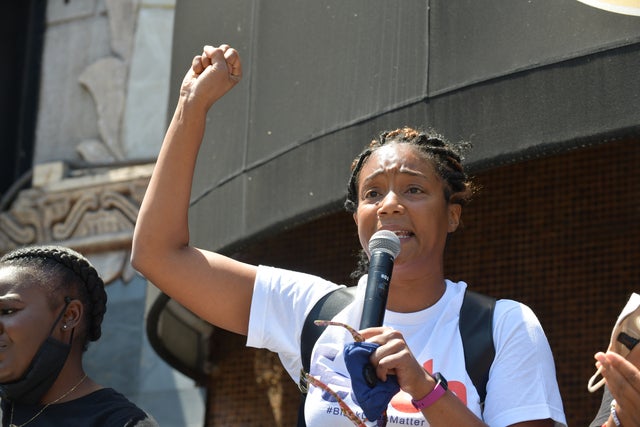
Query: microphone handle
x,y
375,298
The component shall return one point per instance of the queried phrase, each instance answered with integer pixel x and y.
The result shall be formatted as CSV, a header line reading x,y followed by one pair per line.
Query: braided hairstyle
x,y
445,156
65,272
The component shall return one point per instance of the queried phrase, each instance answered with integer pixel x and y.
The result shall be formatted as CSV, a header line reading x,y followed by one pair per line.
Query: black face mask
x,y
43,370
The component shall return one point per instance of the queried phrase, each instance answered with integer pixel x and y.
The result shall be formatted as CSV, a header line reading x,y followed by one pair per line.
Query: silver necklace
x,y
68,392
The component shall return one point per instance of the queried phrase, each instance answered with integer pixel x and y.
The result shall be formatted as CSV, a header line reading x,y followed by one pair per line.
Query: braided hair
x,y
64,271
445,156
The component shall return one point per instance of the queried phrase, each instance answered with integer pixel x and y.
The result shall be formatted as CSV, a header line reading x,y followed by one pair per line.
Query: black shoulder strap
x,y
476,329
325,309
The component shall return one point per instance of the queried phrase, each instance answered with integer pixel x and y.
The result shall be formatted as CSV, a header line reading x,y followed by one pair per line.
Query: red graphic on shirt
x,y
402,401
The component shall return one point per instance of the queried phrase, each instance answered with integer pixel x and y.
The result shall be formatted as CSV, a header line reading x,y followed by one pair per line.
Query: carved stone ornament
x,y
91,211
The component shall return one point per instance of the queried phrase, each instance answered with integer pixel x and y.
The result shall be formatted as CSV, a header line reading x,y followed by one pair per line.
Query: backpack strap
x,y
325,309
476,329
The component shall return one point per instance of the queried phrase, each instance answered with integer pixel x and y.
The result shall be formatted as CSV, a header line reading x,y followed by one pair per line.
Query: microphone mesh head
x,y
386,241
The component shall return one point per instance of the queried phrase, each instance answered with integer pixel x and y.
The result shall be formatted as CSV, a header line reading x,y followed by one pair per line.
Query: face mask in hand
x,y
42,372
625,335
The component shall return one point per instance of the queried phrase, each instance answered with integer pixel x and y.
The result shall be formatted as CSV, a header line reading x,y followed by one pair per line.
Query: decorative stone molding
x,y
106,81
90,210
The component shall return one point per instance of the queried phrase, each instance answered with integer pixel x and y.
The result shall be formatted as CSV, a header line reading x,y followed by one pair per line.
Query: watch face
x,y
443,381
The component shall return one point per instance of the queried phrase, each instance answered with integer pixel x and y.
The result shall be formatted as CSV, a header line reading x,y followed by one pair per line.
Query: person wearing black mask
x,y
52,302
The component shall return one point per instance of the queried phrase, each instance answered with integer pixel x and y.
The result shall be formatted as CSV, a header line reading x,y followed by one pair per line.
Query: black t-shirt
x,y
103,408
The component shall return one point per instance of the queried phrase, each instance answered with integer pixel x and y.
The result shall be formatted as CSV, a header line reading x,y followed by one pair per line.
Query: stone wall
x,y
101,119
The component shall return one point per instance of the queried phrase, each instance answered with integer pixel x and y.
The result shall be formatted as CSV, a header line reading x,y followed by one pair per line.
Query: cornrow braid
x,y
446,157
76,273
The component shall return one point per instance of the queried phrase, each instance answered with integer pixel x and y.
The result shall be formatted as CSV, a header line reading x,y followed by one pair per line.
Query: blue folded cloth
x,y
372,395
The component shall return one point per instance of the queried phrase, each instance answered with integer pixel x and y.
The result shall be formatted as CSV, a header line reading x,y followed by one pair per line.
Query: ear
x,y
455,210
355,218
72,315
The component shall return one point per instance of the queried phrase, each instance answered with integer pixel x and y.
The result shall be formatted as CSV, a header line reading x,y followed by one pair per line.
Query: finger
x,y
623,380
196,64
382,365
601,360
205,59
624,384
404,366
234,65
212,52
624,371
391,353
372,332
382,358
209,50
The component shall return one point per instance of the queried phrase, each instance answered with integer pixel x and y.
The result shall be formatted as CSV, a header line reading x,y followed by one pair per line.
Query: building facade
x,y
85,91
545,90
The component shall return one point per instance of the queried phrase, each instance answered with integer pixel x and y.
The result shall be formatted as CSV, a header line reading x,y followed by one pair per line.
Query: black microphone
x,y
384,247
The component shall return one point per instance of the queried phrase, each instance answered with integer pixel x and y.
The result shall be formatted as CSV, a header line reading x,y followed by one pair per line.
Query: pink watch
x,y
432,397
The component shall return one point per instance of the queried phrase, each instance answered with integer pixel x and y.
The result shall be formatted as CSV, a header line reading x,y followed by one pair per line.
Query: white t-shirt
x,y
522,382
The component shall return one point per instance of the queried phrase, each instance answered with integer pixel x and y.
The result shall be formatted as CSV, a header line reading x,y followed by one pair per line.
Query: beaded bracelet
x,y
614,414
